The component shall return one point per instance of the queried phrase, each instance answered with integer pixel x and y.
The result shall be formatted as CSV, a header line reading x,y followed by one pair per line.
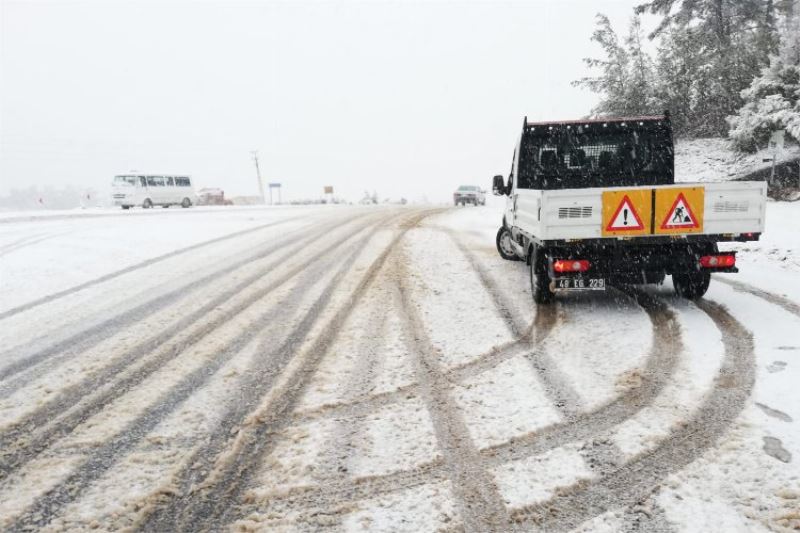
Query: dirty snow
x,y
358,408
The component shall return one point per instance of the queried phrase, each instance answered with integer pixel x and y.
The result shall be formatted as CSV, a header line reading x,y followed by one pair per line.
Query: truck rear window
x,y
563,158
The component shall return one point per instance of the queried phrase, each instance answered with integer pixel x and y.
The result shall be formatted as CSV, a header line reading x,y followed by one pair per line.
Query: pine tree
x,y
772,101
678,61
626,78
731,40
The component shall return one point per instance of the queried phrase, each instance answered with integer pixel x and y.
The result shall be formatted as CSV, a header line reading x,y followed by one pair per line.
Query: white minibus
x,y
147,190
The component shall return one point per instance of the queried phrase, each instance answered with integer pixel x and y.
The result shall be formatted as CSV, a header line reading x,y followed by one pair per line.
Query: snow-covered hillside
x,y
714,160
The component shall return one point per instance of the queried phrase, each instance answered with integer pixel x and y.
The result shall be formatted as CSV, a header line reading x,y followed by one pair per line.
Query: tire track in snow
x,y
36,431
360,406
337,492
142,264
516,325
27,241
477,497
77,343
781,301
659,369
556,386
636,480
656,374
333,461
645,516
102,459
206,502
22,240
600,455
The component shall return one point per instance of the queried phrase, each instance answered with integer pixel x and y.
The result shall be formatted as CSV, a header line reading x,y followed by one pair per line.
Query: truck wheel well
x,y
528,254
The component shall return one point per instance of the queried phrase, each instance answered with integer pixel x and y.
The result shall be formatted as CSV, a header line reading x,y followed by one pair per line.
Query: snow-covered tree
x,y
626,75
772,101
719,46
678,61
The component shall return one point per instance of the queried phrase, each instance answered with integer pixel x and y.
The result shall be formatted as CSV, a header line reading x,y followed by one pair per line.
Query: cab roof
x,y
616,124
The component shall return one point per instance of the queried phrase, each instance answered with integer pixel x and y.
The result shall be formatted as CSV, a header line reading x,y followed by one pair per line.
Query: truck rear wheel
x,y
540,280
691,285
504,245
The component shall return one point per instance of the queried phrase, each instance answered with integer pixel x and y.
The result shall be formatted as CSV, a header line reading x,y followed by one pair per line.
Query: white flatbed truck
x,y
594,202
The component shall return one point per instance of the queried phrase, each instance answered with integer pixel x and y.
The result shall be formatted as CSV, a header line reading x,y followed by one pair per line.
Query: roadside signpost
x,y
274,186
776,148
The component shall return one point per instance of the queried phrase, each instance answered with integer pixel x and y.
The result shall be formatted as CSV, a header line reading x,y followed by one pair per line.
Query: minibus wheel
x,y
186,203
147,204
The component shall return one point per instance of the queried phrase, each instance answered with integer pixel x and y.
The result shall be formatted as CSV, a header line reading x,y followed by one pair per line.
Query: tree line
x,y
721,67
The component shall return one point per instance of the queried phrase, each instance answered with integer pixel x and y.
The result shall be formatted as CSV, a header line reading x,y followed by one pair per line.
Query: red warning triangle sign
x,y
680,215
625,218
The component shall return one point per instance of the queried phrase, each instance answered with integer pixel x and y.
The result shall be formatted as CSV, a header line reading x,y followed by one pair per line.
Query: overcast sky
x,y
408,99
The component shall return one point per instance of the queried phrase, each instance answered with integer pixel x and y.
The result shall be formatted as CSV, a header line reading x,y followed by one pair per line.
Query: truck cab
x,y
594,202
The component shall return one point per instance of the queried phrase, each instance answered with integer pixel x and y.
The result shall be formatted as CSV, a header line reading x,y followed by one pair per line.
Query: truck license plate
x,y
587,284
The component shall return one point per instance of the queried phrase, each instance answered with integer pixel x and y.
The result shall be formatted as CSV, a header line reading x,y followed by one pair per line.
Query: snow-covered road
x,y
382,369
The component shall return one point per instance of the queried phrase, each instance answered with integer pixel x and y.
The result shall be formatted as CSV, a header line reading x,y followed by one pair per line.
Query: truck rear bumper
x,y
638,263
652,240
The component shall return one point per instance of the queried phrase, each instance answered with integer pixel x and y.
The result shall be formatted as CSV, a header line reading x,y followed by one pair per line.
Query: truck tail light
x,y
571,265
717,261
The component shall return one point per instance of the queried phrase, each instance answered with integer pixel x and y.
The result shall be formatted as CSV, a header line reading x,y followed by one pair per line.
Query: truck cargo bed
x,y
724,210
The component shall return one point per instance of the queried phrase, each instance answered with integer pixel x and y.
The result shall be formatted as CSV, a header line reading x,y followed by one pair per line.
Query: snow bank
x,y
714,160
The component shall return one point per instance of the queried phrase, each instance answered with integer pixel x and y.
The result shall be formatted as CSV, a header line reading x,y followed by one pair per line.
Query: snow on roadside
x,y
83,250
772,263
714,160
748,482
41,215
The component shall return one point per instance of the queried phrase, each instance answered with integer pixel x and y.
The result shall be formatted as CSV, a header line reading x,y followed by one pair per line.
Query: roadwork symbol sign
x,y
679,210
680,215
625,218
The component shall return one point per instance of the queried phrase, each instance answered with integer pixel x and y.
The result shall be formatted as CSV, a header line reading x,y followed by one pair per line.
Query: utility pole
x,y
258,175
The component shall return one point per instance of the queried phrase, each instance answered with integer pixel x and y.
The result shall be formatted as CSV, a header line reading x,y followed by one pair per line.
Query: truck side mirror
x,y
498,187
